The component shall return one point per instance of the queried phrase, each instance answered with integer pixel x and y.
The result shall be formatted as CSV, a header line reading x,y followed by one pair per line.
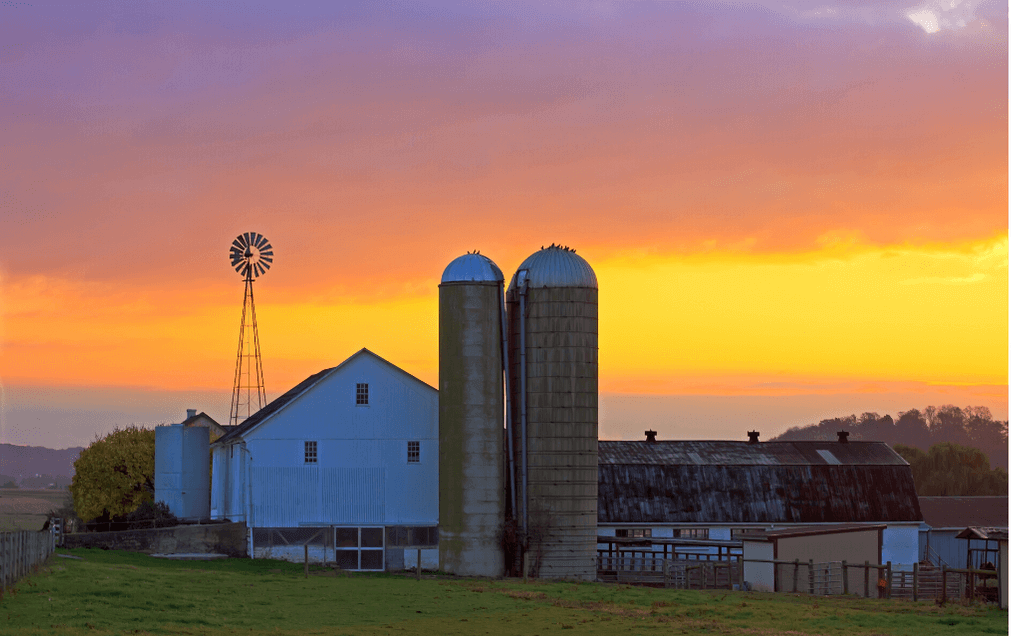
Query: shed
x,y
945,517
346,462
719,489
822,546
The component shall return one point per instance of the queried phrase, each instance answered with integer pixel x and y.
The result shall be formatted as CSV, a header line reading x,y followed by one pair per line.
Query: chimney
x,y
191,413
650,436
752,437
842,436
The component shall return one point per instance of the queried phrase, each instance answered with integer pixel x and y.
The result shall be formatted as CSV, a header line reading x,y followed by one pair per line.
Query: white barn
x,y
347,462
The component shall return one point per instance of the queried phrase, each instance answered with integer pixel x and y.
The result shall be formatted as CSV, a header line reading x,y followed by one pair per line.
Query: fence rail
x,y
830,578
22,553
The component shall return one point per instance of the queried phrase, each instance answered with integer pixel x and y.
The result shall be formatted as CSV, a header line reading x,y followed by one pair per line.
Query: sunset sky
x,y
795,210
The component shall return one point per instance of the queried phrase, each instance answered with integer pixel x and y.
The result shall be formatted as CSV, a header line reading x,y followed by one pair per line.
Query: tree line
x,y
951,450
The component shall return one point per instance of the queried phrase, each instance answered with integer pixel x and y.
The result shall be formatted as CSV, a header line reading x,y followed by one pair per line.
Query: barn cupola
x,y
752,437
650,436
842,436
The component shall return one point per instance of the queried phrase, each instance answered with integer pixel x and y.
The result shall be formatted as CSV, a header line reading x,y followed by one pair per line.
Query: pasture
x,y
27,509
109,592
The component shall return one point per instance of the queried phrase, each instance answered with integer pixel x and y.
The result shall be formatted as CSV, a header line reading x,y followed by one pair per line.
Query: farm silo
x,y
471,482
182,464
552,316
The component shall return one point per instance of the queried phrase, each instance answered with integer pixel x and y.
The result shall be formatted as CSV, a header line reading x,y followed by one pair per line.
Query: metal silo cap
x,y
556,266
472,268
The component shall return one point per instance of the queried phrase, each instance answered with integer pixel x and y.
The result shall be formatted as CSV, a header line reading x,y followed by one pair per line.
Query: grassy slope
x,y
129,593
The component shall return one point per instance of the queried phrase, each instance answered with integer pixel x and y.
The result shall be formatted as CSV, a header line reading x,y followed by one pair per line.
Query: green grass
x,y
127,593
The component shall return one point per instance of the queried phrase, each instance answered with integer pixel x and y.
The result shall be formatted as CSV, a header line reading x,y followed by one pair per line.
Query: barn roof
x,y
735,453
237,432
960,512
738,482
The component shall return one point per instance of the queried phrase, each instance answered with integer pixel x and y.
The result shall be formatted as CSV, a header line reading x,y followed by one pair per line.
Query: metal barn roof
x,y
556,266
734,453
738,482
472,268
960,512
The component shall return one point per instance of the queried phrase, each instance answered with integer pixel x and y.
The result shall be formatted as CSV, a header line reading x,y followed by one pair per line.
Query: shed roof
x,y
237,432
738,482
961,512
807,531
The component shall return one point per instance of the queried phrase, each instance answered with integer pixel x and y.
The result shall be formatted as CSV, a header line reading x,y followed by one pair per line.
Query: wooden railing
x,y
22,553
878,580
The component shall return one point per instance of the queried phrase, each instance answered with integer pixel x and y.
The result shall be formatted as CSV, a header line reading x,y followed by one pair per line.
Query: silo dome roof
x,y
472,268
557,266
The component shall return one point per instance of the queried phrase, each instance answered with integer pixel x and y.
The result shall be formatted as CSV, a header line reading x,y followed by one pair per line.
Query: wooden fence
x,y
829,578
22,553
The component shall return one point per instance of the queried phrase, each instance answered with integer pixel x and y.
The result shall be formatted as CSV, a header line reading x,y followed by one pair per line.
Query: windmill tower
x,y
251,255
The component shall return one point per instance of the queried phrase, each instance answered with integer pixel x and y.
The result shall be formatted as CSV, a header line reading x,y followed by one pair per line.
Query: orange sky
x,y
778,201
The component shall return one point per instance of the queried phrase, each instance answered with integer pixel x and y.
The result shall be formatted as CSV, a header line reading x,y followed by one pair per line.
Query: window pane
x,y
372,559
346,559
347,537
372,537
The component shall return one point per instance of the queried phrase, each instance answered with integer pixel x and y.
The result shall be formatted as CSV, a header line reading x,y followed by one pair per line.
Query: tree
x,y
114,475
953,470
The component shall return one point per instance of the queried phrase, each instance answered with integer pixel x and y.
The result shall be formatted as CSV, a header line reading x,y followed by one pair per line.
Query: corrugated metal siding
x,y
354,495
755,494
722,453
287,497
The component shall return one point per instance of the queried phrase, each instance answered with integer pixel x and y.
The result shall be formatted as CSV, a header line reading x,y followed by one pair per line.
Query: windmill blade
x,y
243,240
262,268
267,252
266,246
265,263
260,240
268,259
237,243
249,238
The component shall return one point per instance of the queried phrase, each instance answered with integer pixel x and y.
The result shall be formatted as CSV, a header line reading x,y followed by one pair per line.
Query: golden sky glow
x,y
779,199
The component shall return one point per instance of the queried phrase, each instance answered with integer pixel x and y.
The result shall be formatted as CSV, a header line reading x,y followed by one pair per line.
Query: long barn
x,y
716,489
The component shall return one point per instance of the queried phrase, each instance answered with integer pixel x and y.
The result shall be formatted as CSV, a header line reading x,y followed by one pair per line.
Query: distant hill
x,y
23,462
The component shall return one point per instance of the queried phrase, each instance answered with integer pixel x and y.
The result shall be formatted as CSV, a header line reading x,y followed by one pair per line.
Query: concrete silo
x,y
471,481
552,332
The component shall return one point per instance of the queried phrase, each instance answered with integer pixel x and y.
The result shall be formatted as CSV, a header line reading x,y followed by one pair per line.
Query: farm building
x,y
945,517
345,462
716,490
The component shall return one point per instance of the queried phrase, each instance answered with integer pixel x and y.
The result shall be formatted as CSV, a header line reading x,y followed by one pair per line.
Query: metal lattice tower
x,y
251,255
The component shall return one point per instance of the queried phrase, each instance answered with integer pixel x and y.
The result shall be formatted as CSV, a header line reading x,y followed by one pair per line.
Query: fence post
x,y
810,576
845,579
666,577
306,562
944,584
972,584
867,573
740,572
888,579
916,581
417,574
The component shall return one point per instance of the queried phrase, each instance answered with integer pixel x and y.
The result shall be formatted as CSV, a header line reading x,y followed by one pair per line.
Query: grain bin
x,y
552,332
471,482
182,466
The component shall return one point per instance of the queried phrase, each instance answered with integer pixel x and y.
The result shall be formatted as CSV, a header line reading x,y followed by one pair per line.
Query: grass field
x,y
27,509
126,593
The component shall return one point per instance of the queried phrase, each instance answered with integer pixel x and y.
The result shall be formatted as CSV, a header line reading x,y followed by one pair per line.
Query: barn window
x,y
634,533
693,533
362,394
413,452
310,452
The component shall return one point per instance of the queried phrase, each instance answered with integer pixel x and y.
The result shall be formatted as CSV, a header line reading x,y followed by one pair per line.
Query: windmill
x,y
251,255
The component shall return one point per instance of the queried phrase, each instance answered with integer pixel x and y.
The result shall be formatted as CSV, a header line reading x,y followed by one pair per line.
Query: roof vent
x,y
650,436
191,413
752,437
842,436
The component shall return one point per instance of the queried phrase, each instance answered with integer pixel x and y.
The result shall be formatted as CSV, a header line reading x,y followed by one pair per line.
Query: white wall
x,y
761,576
900,544
361,476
